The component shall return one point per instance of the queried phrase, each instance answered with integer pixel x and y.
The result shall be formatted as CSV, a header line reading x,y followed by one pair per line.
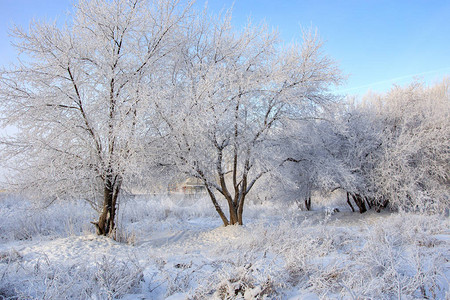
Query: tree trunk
x,y
106,222
369,202
236,211
382,205
359,202
217,206
235,203
241,210
308,203
349,202
233,213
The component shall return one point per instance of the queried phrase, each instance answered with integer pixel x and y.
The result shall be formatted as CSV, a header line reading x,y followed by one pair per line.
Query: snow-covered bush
x,y
106,279
414,169
22,219
244,282
400,258
247,268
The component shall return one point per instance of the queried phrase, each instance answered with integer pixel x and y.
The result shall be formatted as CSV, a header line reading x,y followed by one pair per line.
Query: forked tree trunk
x,y
106,222
235,212
235,207
235,202
241,188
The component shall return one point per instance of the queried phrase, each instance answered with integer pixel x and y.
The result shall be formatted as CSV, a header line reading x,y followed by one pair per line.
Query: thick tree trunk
x,y
233,213
241,211
106,222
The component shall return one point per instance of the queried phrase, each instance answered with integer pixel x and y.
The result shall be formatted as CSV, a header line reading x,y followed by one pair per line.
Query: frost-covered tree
x,y
81,99
355,144
413,172
314,159
237,90
384,149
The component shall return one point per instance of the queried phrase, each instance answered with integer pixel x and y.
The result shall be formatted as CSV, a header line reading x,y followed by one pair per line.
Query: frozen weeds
x,y
184,253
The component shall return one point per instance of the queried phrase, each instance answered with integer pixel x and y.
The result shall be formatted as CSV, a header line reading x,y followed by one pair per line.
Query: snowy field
x,y
176,248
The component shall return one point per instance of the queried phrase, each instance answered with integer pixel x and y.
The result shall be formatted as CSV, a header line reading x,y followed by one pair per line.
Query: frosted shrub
x,y
108,279
311,258
247,265
395,256
240,282
395,261
326,277
115,279
122,235
23,220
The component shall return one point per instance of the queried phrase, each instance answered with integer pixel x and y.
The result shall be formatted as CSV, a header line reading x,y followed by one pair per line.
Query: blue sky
x,y
376,43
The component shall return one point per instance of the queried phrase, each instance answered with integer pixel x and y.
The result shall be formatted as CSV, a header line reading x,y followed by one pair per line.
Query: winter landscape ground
x,y
177,248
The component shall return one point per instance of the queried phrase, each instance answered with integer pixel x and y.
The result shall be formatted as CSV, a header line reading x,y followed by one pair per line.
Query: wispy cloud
x,y
393,80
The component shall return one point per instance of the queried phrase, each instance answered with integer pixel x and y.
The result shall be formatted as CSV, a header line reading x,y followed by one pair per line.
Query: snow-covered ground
x,y
176,248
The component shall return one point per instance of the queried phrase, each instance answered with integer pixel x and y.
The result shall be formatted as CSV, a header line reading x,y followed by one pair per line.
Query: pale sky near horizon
x,y
377,43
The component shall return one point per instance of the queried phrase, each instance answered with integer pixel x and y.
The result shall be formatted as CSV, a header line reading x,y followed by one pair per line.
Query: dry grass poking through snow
x,y
182,252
